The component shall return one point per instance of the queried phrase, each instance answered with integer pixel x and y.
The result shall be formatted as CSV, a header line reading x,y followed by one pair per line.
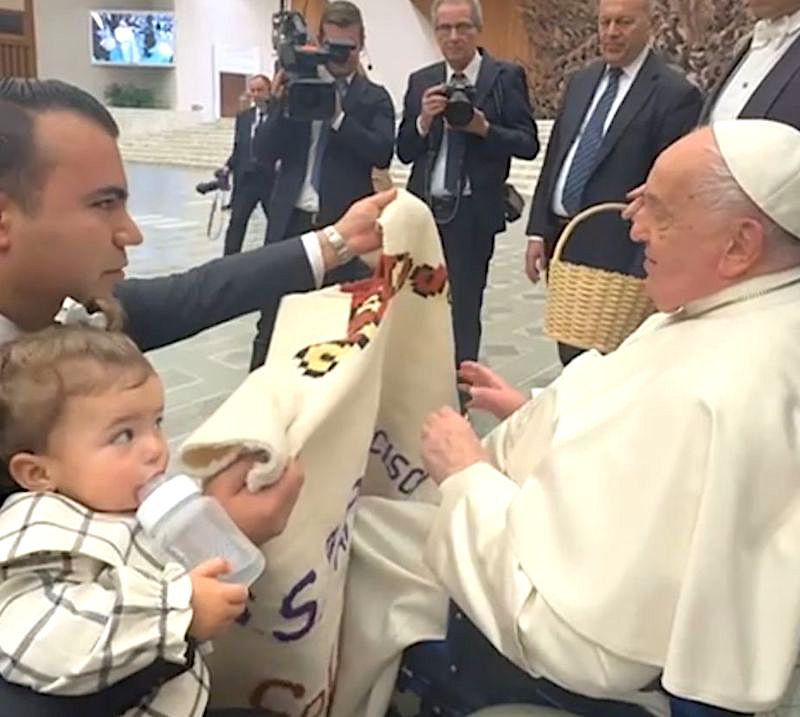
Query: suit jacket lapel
x,y
357,87
639,92
767,92
247,131
576,104
246,124
487,74
713,96
438,77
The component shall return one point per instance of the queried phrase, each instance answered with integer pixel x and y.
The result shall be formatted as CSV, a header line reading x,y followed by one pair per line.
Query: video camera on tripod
x,y
308,96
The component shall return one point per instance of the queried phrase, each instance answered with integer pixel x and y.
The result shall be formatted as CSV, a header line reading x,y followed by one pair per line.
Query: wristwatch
x,y
340,247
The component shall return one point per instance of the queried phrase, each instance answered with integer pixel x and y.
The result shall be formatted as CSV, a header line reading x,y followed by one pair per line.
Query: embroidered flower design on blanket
x,y
427,281
371,298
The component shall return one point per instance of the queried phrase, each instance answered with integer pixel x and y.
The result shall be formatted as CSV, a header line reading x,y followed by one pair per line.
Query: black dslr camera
x,y
308,96
460,102
221,182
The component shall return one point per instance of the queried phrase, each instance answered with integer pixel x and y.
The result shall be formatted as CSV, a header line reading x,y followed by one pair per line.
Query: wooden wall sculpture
x,y
698,35
554,38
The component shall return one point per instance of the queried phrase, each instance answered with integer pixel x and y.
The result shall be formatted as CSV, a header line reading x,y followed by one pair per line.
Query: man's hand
x,y
434,101
635,201
359,226
449,444
215,604
535,259
279,84
478,125
262,515
488,391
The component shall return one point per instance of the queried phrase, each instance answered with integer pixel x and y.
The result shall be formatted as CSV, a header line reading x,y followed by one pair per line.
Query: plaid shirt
x,y
85,601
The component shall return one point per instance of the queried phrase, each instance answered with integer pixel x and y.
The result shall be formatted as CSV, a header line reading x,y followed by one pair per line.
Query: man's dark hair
x,y
22,170
262,76
342,13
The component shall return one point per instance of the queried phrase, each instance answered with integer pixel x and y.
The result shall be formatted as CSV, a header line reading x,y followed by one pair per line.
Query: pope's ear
x,y
747,247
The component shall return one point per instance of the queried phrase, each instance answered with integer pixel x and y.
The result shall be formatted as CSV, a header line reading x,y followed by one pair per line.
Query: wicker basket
x,y
588,307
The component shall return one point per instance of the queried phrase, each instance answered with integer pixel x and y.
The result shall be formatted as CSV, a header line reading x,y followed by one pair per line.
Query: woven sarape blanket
x,y
351,373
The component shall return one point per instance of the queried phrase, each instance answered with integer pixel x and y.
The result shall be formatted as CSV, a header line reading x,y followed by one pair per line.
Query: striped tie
x,y
583,163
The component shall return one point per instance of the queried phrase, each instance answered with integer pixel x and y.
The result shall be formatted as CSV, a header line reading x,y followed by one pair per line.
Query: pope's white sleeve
x,y
499,441
472,552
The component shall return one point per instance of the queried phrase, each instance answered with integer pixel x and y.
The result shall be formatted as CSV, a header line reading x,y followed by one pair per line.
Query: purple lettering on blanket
x,y
338,541
306,611
398,468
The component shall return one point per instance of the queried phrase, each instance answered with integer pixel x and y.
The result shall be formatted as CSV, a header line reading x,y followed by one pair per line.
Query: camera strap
x,y
442,214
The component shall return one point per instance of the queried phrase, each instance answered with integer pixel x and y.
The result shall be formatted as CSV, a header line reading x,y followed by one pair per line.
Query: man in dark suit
x,y
459,168
252,177
763,81
64,231
324,166
616,116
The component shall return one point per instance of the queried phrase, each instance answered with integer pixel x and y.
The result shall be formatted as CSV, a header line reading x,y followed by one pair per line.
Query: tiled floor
x,y
200,372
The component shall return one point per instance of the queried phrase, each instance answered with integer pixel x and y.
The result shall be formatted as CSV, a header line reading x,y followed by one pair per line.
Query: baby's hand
x,y
215,604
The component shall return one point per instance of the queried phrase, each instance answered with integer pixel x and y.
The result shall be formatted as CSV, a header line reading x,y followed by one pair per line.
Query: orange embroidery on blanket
x,y
370,299
427,281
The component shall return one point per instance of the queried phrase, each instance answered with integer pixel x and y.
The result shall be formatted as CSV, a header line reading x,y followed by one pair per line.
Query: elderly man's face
x,y
685,244
73,240
456,32
259,90
771,9
623,28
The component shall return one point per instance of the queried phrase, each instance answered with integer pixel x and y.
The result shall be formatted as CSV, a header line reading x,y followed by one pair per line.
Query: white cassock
x,y
641,517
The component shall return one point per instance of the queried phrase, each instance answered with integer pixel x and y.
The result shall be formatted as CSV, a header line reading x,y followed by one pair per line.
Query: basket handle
x,y
578,218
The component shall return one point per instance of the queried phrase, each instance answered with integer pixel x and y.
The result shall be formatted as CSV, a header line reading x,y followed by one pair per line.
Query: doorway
x,y
232,86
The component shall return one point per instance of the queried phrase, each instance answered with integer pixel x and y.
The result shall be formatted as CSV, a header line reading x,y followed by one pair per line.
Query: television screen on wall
x,y
143,38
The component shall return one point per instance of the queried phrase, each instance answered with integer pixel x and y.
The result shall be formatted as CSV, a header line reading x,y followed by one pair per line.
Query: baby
x,y
86,601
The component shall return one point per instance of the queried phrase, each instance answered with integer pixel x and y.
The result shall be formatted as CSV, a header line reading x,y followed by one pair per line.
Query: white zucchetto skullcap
x,y
764,158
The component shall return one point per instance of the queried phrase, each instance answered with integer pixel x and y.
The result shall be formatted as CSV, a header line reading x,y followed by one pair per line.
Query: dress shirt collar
x,y
777,30
631,70
470,71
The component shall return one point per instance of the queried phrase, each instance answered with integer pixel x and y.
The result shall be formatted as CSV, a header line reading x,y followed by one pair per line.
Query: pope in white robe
x,y
638,520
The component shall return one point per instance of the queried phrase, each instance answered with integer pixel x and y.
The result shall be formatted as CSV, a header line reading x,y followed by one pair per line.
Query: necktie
x,y
456,150
583,163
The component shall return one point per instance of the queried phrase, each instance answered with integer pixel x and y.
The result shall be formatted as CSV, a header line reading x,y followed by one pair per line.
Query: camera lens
x,y
459,109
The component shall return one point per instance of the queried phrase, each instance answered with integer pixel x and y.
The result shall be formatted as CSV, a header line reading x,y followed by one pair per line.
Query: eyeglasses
x,y
462,28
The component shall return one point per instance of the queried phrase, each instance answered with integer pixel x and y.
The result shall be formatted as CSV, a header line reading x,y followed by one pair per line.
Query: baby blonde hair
x,y
39,372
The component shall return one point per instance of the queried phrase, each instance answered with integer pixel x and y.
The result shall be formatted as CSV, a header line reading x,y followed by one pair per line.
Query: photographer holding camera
x,y
253,177
463,120
324,164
